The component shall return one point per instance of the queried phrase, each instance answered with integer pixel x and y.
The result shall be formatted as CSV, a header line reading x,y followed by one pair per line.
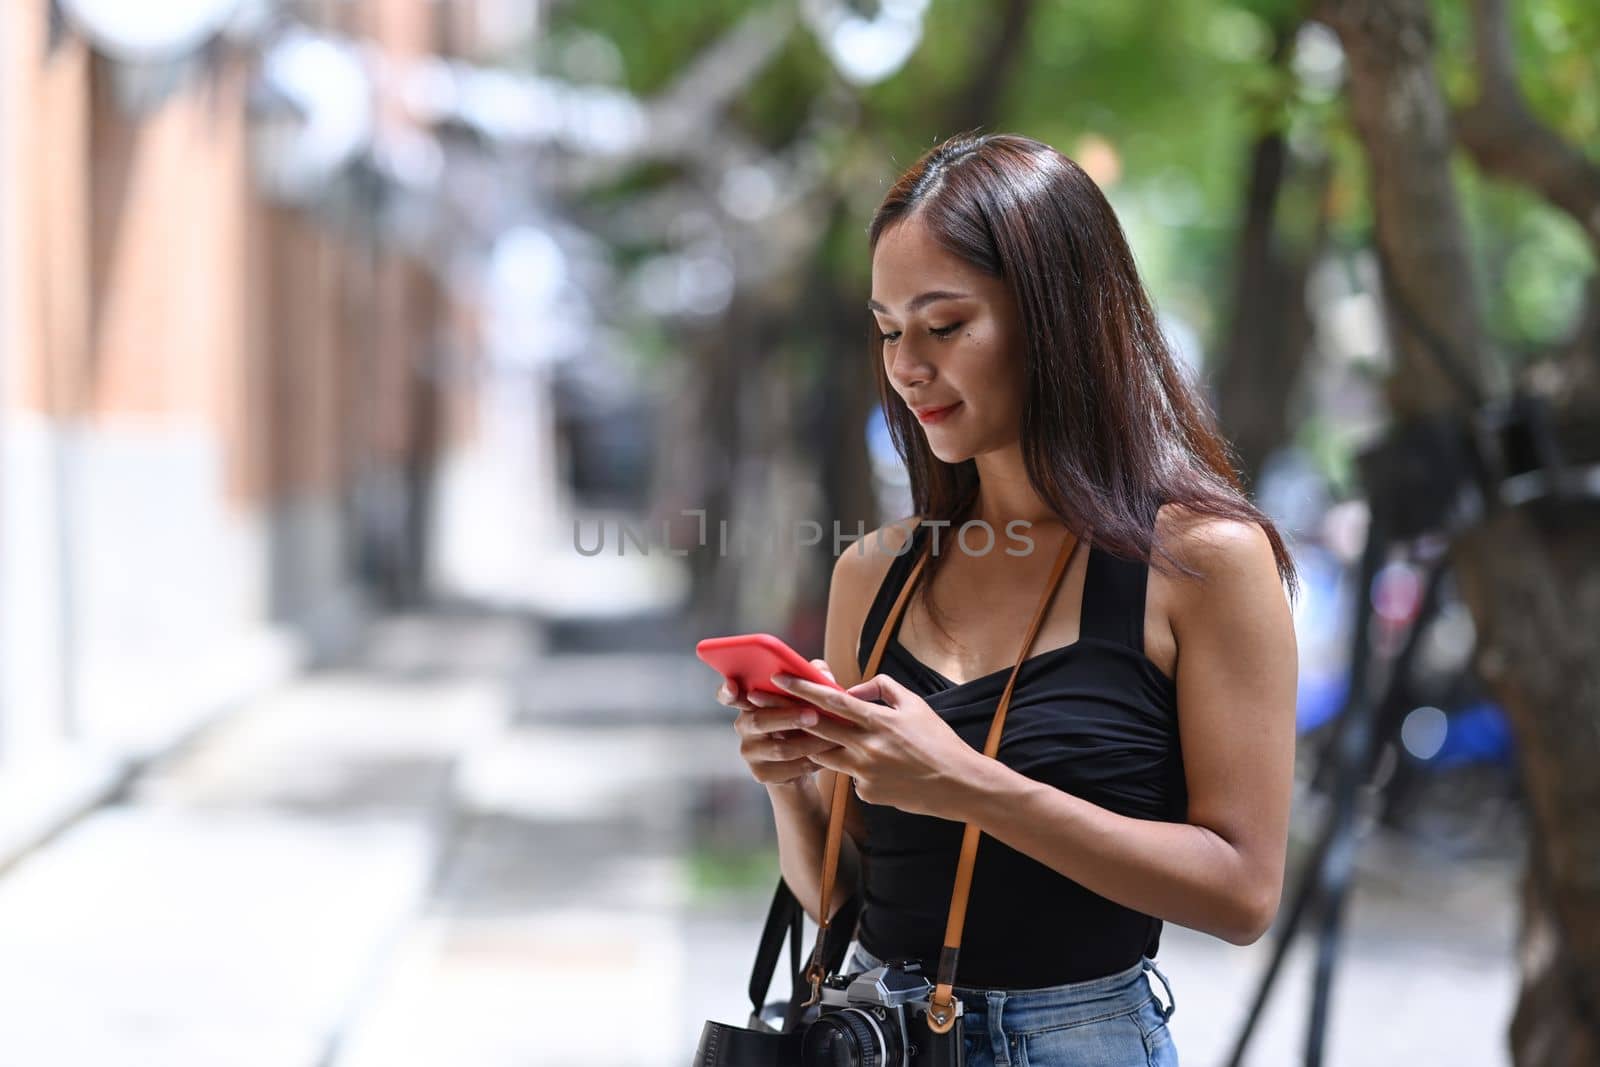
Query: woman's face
x,y
952,339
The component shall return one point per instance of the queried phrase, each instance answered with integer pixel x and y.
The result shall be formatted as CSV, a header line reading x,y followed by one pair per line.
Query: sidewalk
x,y
558,932
235,901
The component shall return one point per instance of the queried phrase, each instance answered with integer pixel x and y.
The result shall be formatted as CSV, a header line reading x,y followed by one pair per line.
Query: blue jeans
x,y
1113,1021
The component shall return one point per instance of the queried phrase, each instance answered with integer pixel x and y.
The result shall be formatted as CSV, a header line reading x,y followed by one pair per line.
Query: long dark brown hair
x,y
1111,426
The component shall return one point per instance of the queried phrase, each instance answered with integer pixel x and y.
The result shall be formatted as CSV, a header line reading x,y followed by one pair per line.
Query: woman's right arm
x,y
800,791
776,751
802,806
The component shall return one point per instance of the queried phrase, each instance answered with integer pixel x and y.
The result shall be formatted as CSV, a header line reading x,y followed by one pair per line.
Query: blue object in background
x,y
1478,733
1319,700
880,446
1322,628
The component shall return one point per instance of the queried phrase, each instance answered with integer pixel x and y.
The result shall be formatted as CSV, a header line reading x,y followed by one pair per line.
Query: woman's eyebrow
x,y
919,300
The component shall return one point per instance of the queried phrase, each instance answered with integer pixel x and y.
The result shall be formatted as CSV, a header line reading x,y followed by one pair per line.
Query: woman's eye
x,y
938,331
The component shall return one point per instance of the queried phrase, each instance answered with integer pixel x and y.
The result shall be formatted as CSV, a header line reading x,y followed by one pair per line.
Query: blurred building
x,y
220,408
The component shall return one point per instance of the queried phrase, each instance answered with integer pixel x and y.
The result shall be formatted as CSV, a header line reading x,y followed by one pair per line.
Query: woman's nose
x,y
906,369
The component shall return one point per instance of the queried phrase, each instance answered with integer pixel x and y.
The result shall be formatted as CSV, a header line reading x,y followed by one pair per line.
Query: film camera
x,y
876,1018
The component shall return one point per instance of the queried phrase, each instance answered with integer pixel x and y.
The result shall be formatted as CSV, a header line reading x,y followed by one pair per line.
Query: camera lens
x,y
849,1037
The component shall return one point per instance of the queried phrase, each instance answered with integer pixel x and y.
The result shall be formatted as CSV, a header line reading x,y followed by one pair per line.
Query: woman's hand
x,y
771,734
900,752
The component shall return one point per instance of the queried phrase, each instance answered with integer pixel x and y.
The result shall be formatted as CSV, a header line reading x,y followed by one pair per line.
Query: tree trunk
x,y
847,393
1535,593
1269,326
1530,578
840,393
846,388
1403,121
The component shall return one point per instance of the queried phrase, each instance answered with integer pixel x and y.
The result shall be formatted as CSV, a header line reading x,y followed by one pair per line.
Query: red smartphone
x,y
752,659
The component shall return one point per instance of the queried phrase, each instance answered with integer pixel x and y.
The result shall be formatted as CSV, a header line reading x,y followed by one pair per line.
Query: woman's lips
x,y
927,415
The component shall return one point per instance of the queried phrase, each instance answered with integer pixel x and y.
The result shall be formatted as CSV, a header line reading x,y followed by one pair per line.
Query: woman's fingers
x,y
788,747
729,695
762,699
772,730
838,702
776,747
774,773
758,722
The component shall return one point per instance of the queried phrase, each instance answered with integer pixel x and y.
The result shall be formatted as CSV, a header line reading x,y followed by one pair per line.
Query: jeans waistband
x,y
1060,1005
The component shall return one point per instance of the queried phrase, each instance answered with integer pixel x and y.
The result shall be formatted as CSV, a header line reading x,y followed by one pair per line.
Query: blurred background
x,y
377,378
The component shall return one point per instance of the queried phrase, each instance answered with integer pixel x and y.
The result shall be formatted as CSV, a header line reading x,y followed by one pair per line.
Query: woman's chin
x,y
949,451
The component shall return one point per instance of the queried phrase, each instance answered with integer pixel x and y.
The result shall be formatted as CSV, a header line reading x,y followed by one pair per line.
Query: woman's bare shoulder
x,y
1227,553
858,572
869,558
1212,545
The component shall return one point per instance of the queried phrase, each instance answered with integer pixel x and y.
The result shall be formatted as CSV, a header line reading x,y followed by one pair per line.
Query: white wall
x,y
133,596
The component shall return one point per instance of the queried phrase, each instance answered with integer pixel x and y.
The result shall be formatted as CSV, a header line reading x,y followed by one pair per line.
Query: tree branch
x,y
1442,357
1507,140
979,99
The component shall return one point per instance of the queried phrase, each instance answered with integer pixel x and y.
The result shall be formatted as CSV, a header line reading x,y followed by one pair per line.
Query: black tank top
x,y
1095,718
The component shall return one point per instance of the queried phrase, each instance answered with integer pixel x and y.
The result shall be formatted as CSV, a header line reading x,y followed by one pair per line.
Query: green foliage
x,y
1559,55
1175,93
1557,47
1535,261
656,40
1331,447
632,183
1172,85
715,872
907,109
648,345
1532,258
783,96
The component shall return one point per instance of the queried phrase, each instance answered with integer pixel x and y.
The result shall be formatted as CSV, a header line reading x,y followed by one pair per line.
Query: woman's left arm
x,y
1221,871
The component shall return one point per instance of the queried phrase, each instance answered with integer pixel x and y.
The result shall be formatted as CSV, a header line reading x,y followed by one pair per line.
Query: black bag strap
x,y
786,917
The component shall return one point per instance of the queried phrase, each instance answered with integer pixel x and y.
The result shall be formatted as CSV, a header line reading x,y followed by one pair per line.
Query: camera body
x,y
886,1010
877,1018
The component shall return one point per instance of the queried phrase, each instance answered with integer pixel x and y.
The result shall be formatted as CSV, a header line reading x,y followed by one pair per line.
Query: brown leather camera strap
x,y
843,791
941,1014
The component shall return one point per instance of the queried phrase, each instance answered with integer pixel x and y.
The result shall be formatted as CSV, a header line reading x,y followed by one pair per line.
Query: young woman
x,y
1144,772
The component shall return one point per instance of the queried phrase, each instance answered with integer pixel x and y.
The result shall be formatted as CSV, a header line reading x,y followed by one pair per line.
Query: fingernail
x,y
782,679
808,718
